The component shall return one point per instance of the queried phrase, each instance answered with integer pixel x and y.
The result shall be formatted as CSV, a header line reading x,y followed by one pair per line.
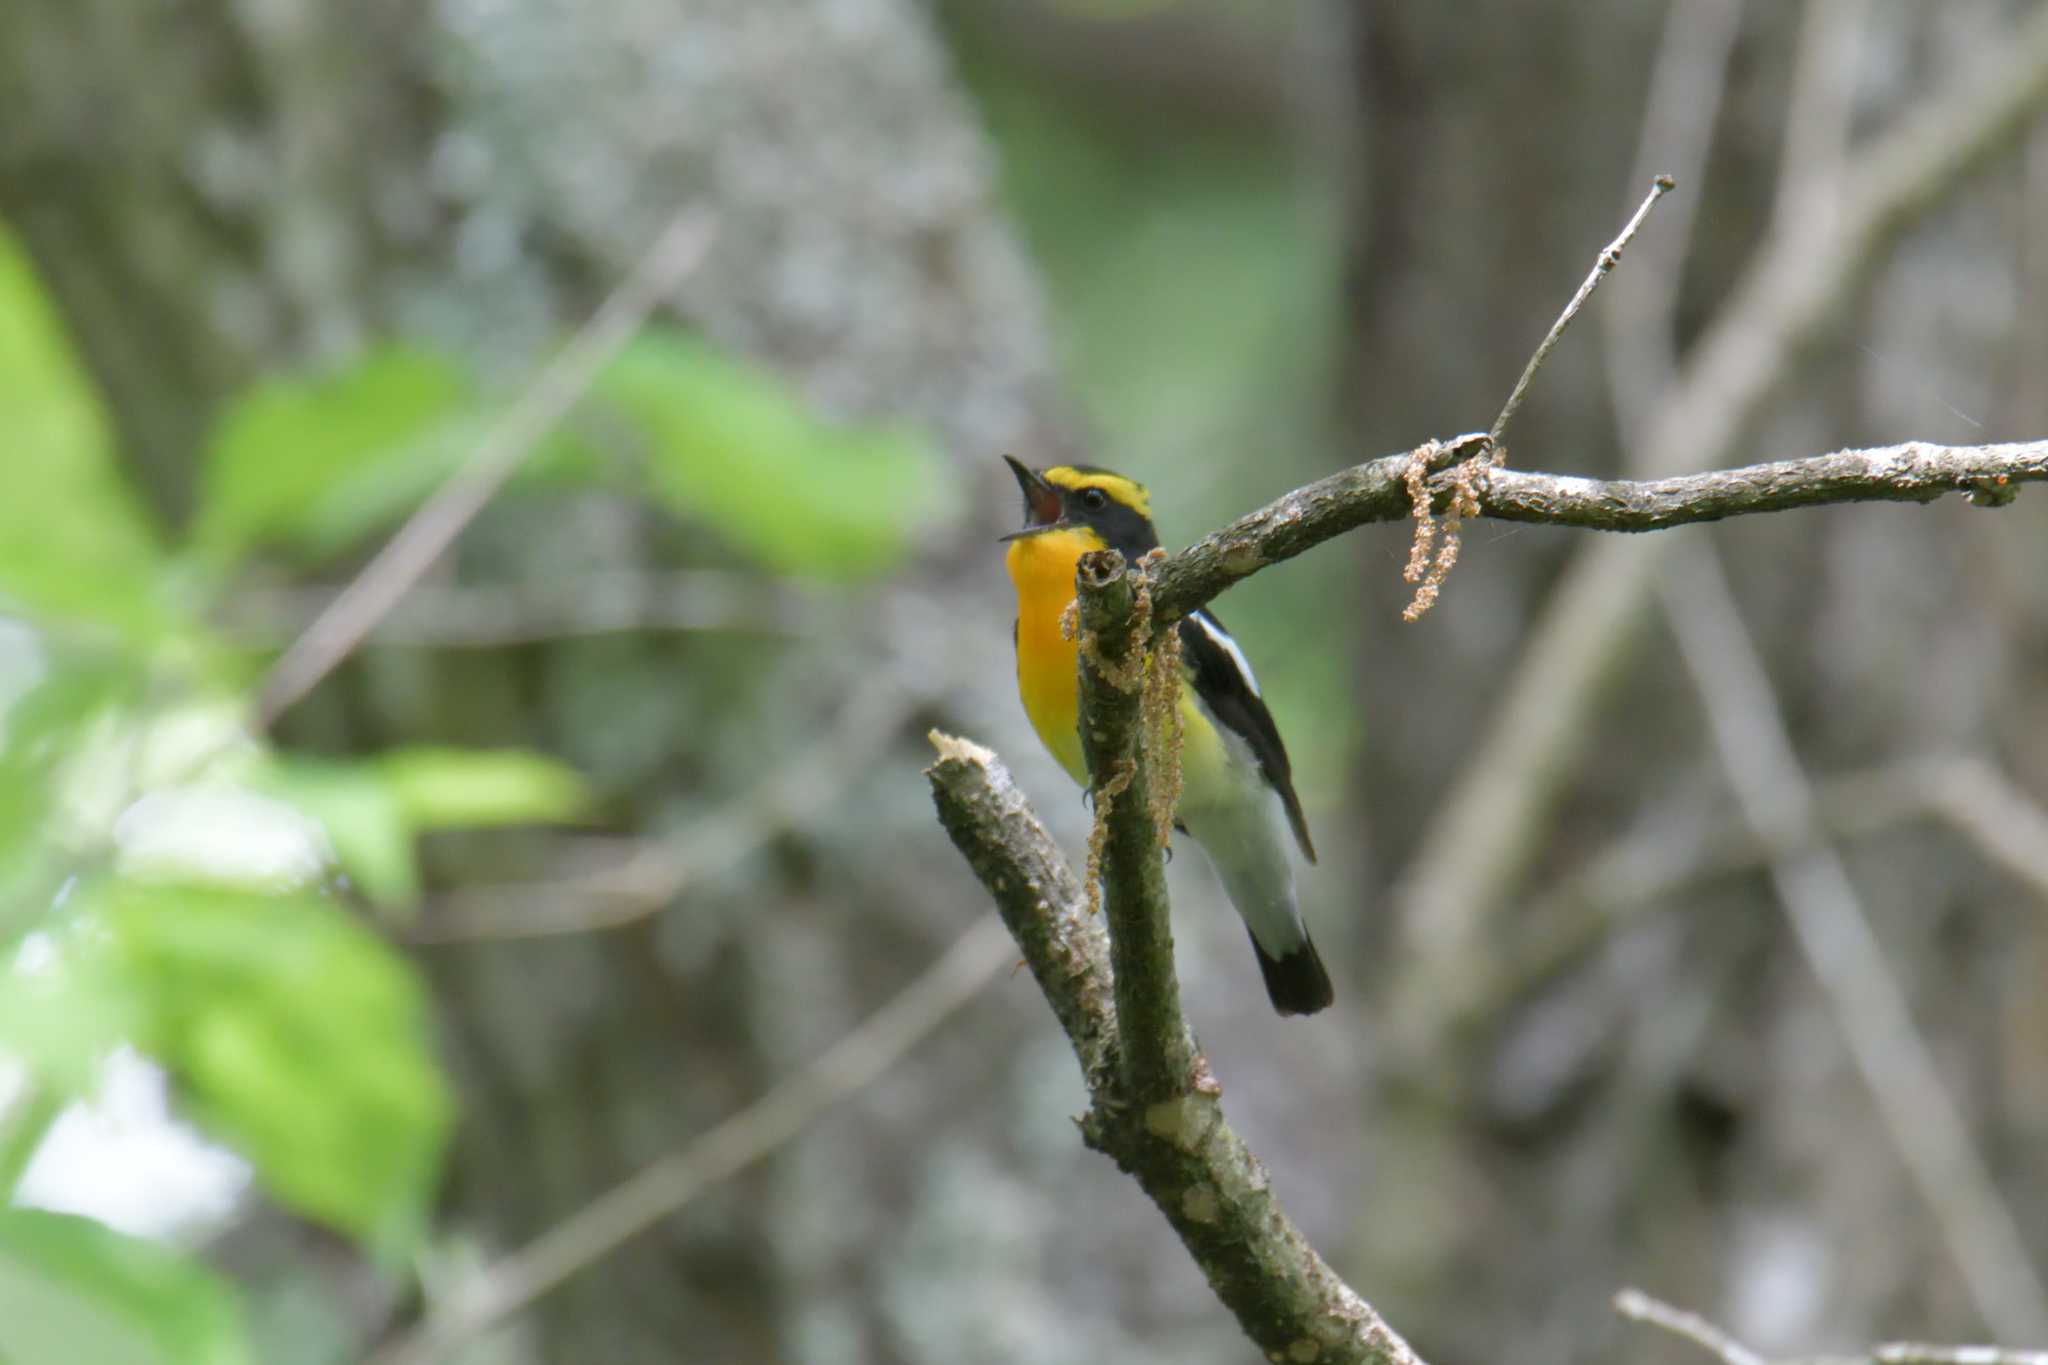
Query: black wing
x,y
1223,680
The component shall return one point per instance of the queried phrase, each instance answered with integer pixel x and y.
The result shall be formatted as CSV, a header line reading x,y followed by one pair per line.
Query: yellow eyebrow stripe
x,y
1126,491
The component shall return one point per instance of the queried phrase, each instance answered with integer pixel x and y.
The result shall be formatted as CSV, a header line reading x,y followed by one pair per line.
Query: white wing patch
x,y
1220,638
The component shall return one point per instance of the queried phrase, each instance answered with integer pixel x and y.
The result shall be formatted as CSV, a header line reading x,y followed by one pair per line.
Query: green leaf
x,y
364,819
41,732
74,543
476,789
312,465
62,1018
374,810
300,1039
732,448
74,1292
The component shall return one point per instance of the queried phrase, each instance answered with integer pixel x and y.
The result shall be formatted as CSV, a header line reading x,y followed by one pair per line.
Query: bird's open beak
x,y
1042,505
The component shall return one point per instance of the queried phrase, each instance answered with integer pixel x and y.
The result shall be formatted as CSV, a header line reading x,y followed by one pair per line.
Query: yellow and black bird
x,y
1237,793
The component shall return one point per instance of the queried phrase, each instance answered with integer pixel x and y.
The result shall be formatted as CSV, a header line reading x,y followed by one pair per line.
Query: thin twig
x,y
637,1204
1428,571
633,883
433,528
1835,937
1637,1306
1921,1353
1610,256
639,886
501,615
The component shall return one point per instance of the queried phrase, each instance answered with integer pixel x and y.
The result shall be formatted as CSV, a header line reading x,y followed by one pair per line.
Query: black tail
x,y
1297,983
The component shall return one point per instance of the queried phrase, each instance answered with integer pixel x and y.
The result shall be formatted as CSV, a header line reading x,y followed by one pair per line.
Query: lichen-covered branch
x,y
1036,894
1914,472
1160,1061
1181,1150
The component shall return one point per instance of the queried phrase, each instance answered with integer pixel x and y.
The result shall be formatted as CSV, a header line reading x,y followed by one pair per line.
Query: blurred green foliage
x,y
294,1032
375,810
73,542
73,1290
733,449
310,466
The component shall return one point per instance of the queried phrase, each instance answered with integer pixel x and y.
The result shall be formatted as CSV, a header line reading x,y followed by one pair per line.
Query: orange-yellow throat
x,y
1042,567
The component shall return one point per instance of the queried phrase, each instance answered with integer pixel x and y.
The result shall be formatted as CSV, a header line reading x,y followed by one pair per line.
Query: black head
x,y
1073,497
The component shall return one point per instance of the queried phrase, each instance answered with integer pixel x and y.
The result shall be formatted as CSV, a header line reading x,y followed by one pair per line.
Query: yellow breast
x,y
1042,568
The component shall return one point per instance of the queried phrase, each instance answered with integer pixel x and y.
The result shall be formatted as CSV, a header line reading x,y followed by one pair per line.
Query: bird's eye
x,y
1094,499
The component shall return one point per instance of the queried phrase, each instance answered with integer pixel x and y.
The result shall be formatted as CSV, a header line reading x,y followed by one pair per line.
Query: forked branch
x,y
1181,1150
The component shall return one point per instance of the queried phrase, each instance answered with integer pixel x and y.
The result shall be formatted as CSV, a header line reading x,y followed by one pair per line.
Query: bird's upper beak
x,y
1042,504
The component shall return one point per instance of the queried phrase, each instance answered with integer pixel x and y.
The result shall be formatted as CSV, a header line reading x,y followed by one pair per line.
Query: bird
x,y
1237,794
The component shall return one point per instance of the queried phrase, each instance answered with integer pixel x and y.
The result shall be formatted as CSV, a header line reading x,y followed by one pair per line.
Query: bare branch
x,y
637,1204
1298,521
2007,824
433,528
1637,1306
1159,1059
1429,572
1305,518
1183,1153
1036,894
1914,472
1920,1353
652,875
634,878
1651,868
500,615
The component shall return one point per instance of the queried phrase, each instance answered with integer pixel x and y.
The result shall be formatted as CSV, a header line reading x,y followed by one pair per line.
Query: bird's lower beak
x,y
1042,505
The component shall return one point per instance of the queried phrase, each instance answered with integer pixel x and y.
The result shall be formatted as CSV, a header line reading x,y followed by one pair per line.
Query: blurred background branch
x,y
1491,824
1637,1306
599,1228
1834,934
403,560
